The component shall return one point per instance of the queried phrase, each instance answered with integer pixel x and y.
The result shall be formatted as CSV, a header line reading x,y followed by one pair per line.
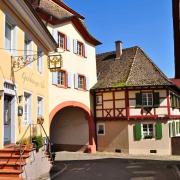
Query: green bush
x,y
38,141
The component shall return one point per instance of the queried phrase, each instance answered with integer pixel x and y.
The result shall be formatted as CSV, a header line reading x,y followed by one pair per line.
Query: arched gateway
x,y
72,127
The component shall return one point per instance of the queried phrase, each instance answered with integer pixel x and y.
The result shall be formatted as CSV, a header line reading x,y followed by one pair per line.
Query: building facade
x,y
24,45
71,120
137,107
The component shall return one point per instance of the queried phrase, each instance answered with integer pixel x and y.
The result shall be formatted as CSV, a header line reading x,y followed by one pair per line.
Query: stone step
x,y
10,165
12,178
12,156
10,173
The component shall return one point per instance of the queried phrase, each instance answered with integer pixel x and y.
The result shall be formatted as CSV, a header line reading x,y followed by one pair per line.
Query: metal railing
x,y
22,147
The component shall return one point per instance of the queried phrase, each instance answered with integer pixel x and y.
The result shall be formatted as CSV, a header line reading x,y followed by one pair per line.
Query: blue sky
x,y
146,23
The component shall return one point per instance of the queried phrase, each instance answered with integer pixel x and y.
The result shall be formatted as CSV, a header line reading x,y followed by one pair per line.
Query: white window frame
x,y
61,40
59,78
97,128
12,29
148,131
40,106
40,65
147,99
29,108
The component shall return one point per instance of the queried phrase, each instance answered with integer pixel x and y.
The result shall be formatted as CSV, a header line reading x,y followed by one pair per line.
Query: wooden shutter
x,y
156,99
15,41
70,80
85,51
138,100
54,77
158,128
75,46
55,35
68,46
170,129
173,101
137,132
87,83
76,81
173,129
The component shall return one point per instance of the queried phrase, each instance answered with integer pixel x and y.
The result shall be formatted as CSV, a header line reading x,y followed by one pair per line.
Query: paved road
x,y
94,167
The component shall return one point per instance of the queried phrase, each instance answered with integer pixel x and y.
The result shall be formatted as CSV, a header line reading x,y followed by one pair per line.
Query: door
x,y
7,119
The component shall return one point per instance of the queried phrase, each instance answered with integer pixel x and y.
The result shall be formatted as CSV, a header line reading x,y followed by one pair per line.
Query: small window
x,y
80,48
27,45
81,82
62,40
147,131
100,129
39,107
61,78
98,100
147,99
40,60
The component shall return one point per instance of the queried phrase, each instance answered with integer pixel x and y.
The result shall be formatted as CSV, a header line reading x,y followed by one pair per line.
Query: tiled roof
x,y
176,82
134,68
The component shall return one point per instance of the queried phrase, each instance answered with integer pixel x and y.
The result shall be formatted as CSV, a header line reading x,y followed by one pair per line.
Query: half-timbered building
x,y
137,107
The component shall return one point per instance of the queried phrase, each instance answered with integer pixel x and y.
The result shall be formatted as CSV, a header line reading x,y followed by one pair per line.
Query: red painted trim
x,y
88,113
168,103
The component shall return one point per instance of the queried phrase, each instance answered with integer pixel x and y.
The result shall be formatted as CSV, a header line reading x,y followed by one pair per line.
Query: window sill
x,y
79,89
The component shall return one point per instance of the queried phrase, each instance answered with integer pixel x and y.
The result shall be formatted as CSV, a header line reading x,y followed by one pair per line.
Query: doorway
x,y
9,118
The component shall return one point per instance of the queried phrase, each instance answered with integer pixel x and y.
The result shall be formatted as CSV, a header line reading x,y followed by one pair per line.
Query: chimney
x,y
118,49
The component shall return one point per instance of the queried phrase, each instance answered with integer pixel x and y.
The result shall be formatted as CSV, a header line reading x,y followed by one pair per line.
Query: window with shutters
x,y
175,102
81,82
27,108
10,44
39,60
147,99
61,78
147,131
100,129
62,40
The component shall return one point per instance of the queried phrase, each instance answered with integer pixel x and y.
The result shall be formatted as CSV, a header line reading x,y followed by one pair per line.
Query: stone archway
x,y
65,108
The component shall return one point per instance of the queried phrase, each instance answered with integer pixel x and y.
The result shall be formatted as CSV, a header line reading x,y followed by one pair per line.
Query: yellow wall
x,y
27,79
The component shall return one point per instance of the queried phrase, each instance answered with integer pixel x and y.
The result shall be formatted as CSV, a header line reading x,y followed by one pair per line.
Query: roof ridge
x,y
132,65
100,54
159,70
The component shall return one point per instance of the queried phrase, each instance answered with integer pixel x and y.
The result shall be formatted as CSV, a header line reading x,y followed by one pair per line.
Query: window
x,y
27,108
27,45
40,60
62,40
10,34
100,129
81,82
39,107
98,100
80,48
147,99
61,78
147,131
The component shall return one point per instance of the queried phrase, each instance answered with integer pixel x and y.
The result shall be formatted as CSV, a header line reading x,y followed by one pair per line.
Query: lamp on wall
x,y
1,93
20,97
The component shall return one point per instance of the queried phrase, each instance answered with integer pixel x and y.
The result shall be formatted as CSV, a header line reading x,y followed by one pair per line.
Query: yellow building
x,y
24,45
